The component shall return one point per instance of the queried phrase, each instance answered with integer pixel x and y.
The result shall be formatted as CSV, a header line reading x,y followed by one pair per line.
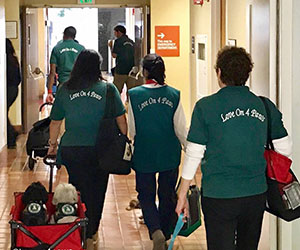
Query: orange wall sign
x,y
167,40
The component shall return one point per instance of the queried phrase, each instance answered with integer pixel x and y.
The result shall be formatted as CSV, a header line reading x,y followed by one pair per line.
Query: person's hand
x,y
182,207
50,98
52,150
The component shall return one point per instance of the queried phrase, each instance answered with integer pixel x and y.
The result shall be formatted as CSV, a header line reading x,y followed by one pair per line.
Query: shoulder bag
x,y
283,195
114,150
194,221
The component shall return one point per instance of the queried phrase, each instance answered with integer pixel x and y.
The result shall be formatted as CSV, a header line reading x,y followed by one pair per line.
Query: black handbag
x,y
283,200
113,149
194,221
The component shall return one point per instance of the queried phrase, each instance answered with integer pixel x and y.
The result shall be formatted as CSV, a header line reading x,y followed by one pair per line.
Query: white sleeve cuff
x,y
283,145
193,156
131,121
180,125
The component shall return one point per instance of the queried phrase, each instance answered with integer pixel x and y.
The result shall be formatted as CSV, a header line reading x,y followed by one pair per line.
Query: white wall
x,y
2,77
290,102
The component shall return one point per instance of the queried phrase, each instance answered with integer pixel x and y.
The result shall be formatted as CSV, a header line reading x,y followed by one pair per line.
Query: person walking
x,y
157,123
123,50
81,102
13,76
228,133
62,59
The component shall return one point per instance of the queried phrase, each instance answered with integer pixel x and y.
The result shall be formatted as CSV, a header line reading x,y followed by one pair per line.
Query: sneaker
x,y
95,238
159,240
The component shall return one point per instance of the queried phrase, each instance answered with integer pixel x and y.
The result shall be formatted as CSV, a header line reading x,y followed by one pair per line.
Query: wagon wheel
x,y
31,163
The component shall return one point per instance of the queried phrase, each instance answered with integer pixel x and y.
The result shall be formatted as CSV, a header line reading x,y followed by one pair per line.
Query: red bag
x,y
278,166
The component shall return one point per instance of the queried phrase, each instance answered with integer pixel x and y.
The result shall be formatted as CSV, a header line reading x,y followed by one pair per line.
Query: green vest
x,y
232,124
157,147
63,56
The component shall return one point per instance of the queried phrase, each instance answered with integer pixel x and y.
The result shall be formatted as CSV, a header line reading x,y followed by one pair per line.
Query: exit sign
x,y
86,2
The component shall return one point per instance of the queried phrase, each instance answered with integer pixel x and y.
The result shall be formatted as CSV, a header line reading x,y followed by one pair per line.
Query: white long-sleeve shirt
x,y
195,152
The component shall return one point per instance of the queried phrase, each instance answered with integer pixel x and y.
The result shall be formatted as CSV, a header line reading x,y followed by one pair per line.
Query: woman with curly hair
x,y
228,131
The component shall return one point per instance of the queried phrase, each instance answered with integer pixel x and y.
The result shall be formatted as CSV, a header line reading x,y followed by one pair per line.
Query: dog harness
x,y
34,214
65,209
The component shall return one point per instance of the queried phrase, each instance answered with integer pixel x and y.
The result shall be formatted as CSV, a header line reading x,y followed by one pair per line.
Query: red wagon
x,y
70,236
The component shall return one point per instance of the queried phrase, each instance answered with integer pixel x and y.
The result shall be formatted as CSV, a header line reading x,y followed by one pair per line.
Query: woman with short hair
x,y
228,133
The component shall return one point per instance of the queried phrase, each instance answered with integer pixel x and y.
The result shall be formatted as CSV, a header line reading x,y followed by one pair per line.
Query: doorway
x,y
93,32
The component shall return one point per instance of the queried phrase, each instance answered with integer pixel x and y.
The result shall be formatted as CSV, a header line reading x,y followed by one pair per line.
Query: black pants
x,y
233,224
12,93
85,175
163,217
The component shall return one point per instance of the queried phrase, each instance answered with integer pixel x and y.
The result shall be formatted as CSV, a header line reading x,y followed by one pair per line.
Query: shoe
x,y
89,244
95,238
159,240
11,146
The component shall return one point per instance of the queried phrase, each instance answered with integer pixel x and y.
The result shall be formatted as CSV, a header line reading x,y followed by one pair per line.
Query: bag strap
x,y
110,107
177,229
269,144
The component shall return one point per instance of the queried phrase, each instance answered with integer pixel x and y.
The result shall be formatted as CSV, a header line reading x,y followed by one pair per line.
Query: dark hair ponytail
x,y
155,67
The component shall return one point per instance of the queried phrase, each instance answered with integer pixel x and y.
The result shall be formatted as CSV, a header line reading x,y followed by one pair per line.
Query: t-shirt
x,y
63,56
124,48
157,147
232,124
83,111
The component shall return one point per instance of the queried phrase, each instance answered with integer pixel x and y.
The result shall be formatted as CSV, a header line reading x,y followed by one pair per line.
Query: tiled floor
x,y
119,230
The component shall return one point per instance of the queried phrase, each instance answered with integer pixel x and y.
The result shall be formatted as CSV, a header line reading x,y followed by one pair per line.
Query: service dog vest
x,y
65,209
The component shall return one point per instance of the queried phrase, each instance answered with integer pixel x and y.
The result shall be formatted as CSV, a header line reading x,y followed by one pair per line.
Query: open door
x,y
31,71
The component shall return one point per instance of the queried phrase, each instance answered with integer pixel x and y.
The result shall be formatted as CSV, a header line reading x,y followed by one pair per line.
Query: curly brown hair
x,y
235,65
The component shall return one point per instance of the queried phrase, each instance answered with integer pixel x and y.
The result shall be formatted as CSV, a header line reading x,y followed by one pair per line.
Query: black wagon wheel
x,y
31,162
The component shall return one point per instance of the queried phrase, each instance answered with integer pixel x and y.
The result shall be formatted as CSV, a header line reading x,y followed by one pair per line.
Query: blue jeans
x,y
162,217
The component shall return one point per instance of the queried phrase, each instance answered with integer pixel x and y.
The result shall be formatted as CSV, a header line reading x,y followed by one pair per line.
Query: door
x,y
201,66
138,35
259,47
31,72
259,44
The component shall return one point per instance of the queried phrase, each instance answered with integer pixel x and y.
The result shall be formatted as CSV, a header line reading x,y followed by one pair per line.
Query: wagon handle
x,y
45,104
51,161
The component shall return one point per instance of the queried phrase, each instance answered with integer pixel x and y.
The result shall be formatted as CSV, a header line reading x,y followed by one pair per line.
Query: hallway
x,y
119,230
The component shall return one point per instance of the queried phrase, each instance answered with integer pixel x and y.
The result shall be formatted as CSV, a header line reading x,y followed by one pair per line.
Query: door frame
x,y
24,68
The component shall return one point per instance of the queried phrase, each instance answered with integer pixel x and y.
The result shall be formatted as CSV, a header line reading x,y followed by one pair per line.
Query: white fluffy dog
x,y
65,199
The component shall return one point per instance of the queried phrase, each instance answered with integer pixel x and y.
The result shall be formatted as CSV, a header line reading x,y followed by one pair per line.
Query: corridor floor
x,y
119,230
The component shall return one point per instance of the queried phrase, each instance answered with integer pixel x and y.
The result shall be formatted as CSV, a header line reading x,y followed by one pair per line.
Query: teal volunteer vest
x,y
157,147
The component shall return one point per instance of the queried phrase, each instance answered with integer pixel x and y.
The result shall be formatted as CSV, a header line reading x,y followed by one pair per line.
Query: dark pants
x,y
233,224
12,93
85,175
163,217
